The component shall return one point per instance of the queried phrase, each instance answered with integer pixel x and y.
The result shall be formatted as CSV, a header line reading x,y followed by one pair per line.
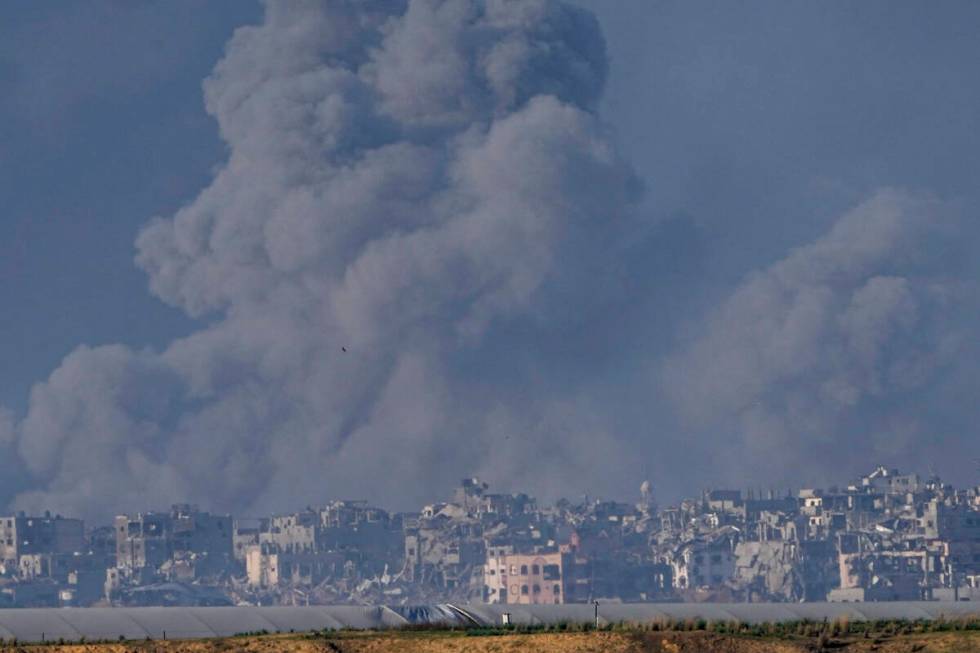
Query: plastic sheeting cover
x,y
72,624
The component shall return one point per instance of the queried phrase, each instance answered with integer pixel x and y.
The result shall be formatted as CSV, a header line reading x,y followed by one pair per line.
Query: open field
x,y
616,641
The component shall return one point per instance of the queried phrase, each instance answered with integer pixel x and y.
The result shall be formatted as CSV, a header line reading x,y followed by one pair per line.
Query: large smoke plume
x,y
409,269
402,179
833,357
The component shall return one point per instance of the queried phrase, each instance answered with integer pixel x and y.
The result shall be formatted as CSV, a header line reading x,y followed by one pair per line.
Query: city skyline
x,y
885,536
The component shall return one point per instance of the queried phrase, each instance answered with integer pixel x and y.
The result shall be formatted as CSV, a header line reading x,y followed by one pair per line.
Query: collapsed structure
x,y
885,537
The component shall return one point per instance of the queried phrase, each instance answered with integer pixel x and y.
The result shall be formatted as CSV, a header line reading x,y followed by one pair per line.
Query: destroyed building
x,y
320,552
44,560
22,535
184,544
885,536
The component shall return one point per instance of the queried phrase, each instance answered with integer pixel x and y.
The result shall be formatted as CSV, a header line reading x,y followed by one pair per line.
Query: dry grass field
x,y
539,642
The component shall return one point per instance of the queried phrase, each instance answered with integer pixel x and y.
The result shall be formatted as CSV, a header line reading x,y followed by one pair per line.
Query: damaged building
x,y
183,545
885,536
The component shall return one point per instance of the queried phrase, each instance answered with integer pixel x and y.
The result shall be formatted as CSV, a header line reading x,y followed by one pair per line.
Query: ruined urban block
x,y
886,536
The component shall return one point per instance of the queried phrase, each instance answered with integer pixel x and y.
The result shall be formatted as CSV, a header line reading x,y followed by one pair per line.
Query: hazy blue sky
x,y
102,126
754,128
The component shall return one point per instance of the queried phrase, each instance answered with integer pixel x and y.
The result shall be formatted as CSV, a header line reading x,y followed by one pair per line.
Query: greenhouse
x,y
92,624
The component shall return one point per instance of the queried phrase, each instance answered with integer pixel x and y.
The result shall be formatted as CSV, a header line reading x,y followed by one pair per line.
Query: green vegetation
x,y
779,630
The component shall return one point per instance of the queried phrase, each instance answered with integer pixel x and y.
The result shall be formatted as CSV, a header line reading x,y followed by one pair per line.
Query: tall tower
x,y
647,503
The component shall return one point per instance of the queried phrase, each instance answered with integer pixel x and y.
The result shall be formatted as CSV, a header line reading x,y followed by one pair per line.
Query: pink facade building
x,y
524,579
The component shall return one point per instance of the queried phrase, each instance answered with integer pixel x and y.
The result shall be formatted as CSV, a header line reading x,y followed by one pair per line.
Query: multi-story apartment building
x,y
147,540
24,535
525,579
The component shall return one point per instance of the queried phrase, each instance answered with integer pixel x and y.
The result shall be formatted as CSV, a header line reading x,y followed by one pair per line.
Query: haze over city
x,y
259,256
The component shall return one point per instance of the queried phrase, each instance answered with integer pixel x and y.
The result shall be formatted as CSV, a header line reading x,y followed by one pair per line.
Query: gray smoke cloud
x,y
422,260
403,180
825,360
